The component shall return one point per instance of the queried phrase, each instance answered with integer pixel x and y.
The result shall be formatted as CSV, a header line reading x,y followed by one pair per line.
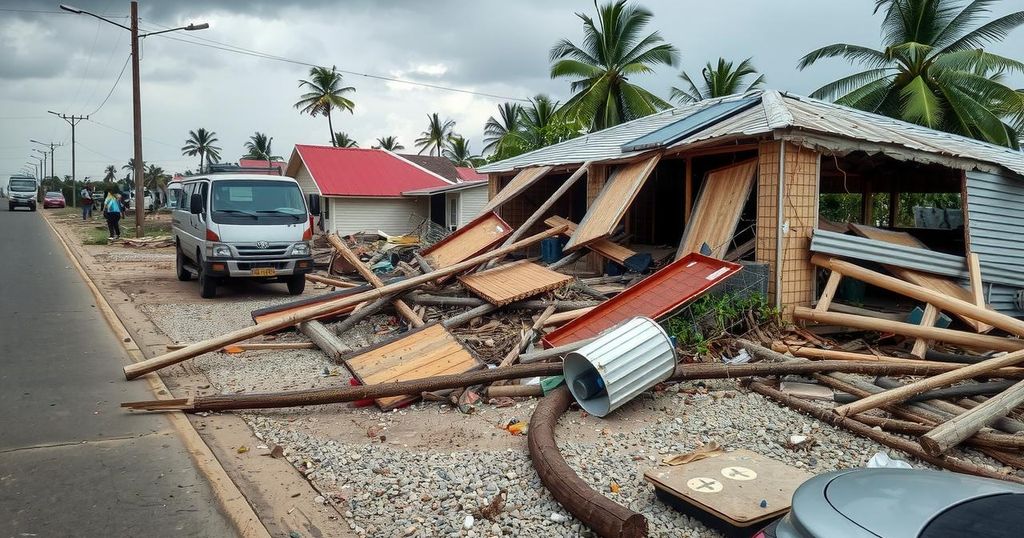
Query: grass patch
x,y
96,234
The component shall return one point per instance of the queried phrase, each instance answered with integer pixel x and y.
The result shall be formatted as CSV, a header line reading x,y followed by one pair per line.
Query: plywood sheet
x,y
424,352
522,181
732,486
474,238
935,283
718,209
605,247
611,204
655,296
513,282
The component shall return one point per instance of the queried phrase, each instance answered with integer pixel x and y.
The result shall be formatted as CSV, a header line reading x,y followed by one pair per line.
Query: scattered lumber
x,y
440,300
605,247
330,281
961,338
304,314
279,311
981,439
513,282
401,307
830,354
549,202
963,426
516,185
258,346
565,317
611,204
324,339
471,240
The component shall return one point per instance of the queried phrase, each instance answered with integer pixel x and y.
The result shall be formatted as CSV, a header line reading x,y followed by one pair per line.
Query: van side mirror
x,y
195,205
314,204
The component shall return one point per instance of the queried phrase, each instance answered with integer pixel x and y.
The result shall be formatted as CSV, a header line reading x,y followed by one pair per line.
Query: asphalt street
x,y
73,463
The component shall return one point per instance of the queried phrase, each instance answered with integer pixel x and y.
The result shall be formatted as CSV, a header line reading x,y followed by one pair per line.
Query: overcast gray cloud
x,y
68,63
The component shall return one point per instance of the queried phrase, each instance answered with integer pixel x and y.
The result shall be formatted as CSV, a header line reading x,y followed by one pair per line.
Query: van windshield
x,y
257,202
23,185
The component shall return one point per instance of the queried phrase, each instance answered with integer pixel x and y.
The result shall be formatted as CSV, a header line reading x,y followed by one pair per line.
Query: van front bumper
x,y
241,269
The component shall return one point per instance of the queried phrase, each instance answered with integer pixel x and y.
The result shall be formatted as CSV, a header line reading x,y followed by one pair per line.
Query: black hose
x,y
933,355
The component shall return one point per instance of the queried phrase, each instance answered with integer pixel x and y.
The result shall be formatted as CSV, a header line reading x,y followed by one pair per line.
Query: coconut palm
x,y
156,180
110,174
932,69
201,142
612,51
438,132
325,94
719,80
342,140
259,147
458,152
498,132
389,143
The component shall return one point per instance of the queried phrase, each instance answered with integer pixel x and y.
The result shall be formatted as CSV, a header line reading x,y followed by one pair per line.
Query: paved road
x,y
72,463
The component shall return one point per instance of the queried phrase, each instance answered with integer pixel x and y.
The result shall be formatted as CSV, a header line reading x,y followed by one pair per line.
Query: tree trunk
x,y
330,126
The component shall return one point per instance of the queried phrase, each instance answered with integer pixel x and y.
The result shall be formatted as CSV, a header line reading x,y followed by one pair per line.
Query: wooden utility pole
x,y
137,123
72,121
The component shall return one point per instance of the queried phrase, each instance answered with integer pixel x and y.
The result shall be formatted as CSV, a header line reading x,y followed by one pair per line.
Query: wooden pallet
x,y
424,352
513,282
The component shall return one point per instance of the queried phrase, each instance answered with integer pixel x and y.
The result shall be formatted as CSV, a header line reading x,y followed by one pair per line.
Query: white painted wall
x,y
306,182
473,201
393,216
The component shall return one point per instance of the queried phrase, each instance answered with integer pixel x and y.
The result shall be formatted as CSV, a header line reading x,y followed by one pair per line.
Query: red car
x,y
53,199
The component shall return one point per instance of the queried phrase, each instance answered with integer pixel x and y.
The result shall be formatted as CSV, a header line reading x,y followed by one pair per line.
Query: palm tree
x,y
389,143
325,94
156,180
459,154
719,81
110,174
342,140
498,132
201,142
932,70
611,52
437,134
259,147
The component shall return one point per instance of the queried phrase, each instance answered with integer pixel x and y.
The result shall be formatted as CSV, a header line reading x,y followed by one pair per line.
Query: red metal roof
x,y
669,288
469,174
360,172
261,163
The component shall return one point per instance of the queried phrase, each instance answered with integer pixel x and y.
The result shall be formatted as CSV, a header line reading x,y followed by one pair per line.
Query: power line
x,y
112,88
112,128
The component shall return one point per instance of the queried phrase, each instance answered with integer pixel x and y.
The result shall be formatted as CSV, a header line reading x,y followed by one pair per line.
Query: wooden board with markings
x,y
718,209
477,236
425,352
512,282
611,204
730,487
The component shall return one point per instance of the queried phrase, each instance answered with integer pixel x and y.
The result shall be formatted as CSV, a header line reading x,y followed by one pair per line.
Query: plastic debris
x,y
881,460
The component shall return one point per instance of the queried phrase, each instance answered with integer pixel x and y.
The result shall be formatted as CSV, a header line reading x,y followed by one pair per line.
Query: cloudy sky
x,y
69,63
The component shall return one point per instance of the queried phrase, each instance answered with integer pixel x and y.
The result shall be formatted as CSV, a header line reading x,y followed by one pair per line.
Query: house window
x,y
453,212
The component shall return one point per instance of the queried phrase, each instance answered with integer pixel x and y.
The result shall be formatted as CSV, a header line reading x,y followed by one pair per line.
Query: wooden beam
x,y
970,340
900,394
550,201
928,319
565,317
688,186
336,282
401,306
324,338
304,314
833,354
831,286
867,205
977,286
942,302
255,346
959,428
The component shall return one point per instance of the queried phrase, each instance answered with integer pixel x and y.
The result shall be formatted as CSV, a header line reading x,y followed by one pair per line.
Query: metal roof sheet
x,y
361,172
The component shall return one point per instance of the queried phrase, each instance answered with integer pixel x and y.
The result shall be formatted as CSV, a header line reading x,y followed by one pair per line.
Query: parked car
x,y
243,226
22,192
53,199
148,200
869,503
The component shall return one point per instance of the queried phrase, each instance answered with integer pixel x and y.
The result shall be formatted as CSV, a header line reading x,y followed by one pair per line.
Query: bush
x,y
713,316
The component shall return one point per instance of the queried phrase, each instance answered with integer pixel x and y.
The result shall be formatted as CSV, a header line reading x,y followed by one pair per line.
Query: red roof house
x,y
262,163
469,174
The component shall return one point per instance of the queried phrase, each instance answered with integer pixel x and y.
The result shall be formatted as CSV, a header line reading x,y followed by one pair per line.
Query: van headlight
x,y
221,251
300,249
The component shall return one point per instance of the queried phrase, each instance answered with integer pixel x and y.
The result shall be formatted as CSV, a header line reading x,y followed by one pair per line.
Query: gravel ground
x,y
422,471
134,256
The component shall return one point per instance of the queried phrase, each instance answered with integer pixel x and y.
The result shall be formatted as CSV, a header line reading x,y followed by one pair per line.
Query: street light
x,y
136,92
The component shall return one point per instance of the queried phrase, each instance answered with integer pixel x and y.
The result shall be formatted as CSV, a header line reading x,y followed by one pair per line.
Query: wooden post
x,y
314,311
977,286
550,201
324,339
336,282
829,292
894,207
900,394
958,429
928,319
961,338
528,338
867,205
688,189
400,306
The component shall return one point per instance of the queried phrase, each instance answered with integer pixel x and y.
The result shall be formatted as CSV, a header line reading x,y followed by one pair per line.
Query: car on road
x,y
53,199
242,226
22,192
912,503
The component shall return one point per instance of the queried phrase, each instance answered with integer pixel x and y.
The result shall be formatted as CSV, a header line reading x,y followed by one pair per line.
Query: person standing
x,y
112,211
86,196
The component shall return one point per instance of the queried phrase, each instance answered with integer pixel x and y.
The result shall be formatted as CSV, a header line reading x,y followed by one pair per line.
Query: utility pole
x,y
52,147
73,121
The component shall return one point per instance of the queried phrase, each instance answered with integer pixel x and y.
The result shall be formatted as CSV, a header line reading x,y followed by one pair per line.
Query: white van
x,y
21,192
242,225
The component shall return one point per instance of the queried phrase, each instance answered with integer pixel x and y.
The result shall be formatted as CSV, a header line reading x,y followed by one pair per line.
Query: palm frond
x,y
987,33
849,83
865,55
921,105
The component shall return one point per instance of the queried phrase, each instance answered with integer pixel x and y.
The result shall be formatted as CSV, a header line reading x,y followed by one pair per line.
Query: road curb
x,y
232,501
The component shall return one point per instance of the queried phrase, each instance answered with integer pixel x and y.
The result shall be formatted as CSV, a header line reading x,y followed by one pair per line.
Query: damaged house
x,y
770,178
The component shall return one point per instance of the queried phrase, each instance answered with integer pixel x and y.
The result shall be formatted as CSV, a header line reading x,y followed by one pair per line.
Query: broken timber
x,y
718,209
960,427
605,247
400,306
513,282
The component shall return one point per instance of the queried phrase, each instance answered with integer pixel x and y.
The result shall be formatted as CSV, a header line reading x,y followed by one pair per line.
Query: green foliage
x,y
536,125
324,94
342,140
201,142
459,154
846,207
436,135
718,81
712,316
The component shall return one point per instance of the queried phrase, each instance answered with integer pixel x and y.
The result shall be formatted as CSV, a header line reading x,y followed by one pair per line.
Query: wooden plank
x,y
611,204
928,319
960,427
512,282
401,307
324,338
605,247
471,240
518,184
935,283
977,286
718,209
830,290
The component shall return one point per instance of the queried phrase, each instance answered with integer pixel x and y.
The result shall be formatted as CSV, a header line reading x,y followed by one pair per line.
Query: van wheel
x,y
296,284
207,283
184,274
32,207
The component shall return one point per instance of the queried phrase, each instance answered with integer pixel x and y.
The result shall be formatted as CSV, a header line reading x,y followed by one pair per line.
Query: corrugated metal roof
x,y
862,248
789,115
994,204
361,172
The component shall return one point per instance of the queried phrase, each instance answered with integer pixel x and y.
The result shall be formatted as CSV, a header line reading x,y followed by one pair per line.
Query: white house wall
x,y
306,182
393,216
473,201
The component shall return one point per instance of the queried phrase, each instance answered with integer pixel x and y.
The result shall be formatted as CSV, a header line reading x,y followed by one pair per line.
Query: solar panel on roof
x,y
690,124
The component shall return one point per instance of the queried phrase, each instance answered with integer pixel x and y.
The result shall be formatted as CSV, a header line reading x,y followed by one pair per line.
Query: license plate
x,y
264,271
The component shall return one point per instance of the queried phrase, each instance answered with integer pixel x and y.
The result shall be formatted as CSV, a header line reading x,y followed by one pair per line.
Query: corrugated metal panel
x,y
393,216
996,225
861,248
1001,298
473,202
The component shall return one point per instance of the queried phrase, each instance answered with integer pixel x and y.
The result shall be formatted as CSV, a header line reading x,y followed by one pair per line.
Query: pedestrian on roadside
x,y
112,211
87,202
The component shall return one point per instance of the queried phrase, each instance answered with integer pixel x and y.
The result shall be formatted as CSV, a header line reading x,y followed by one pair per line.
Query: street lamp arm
x,y
77,11
189,28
